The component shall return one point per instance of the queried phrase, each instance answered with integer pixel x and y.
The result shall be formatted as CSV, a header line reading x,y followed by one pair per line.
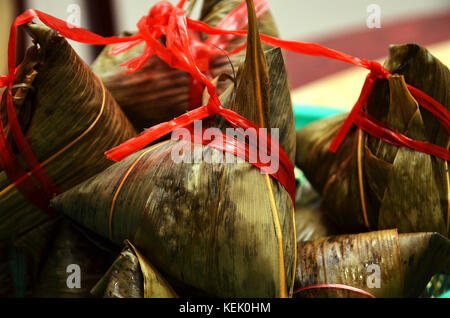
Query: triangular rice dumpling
x,y
68,118
216,229
369,184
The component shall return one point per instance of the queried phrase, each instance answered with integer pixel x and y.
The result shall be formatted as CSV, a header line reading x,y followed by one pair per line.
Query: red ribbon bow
x,y
163,19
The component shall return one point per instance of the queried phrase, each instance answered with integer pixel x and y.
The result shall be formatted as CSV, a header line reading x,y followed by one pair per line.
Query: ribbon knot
x,y
183,49
377,71
7,80
160,13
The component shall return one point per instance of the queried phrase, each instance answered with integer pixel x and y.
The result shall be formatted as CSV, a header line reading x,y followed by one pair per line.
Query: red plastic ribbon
x,y
183,50
377,71
163,19
377,129
35,184
248,152
215,45
236,20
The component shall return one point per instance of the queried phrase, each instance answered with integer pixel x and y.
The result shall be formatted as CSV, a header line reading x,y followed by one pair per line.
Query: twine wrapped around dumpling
x,y
69,120
158,93
370,184
216,229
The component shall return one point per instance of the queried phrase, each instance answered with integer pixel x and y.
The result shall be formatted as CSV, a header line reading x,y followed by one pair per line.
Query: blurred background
x,y
364,28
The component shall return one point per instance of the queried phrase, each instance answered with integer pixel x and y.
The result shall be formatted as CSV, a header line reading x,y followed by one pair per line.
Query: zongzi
x,y
370,184
158,93
220,229
69,120
383,264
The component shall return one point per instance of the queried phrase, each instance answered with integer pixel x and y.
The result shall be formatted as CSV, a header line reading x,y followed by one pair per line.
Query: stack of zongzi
x,y
194,220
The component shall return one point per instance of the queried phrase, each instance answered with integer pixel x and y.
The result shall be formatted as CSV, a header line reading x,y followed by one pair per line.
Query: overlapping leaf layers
x,y
372,184
65,122
210,228
68,119
132,276
375,264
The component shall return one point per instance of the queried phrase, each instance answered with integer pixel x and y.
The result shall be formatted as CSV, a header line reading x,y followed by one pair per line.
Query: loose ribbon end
x,y
113,155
